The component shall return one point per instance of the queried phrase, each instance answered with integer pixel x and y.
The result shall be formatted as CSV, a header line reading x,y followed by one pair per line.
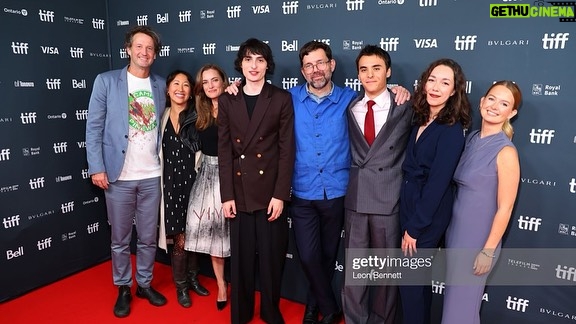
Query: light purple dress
x,y
474,209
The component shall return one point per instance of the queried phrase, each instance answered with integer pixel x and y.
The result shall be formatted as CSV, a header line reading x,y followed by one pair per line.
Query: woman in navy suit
x,y
441,116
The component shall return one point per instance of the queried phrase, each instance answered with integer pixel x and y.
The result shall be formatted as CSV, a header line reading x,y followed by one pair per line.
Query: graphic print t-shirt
x,y
142,161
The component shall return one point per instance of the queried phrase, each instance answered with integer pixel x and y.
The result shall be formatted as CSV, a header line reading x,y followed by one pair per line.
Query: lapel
x,y
122,93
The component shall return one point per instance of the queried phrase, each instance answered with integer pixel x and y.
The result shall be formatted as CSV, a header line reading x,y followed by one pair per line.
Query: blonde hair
x,y
517,94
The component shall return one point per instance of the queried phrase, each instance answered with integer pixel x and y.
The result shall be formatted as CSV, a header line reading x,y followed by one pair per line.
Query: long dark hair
x,y
203,103
189,102
457,107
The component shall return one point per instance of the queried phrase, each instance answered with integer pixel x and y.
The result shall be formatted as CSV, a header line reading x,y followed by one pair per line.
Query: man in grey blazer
x,y
371,201
122,150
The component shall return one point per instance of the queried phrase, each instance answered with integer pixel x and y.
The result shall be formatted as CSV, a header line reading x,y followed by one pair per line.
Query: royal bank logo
x,y
44,243
11,254
529,223
46,15
288,46
209,48
98,23
28,117
93,228
22,12
60,147
67,207
30,151
184,16
539,89
233,11
73,20
465,43
261,9
288,83
424,43
164,51
354,5
207,14
20,48
36,183
142,20
517,304
162,19
11,221
567,229
352,44
428,3
541,136
353,84
289,7
555,41
68,236
389,44
53,84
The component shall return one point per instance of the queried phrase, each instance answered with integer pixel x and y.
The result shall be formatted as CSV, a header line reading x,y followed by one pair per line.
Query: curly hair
x,y
457,107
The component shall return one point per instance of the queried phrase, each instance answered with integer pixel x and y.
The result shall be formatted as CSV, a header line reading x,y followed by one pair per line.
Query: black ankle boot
x,y
179,274
192,275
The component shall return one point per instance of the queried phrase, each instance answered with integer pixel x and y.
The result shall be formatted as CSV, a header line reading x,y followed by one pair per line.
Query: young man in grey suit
x,y
122,149
378,130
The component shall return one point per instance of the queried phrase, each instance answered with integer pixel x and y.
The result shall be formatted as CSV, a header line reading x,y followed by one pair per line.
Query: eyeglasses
x,y
321,65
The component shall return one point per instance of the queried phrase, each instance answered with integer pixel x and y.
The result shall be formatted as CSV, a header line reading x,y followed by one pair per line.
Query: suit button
x,y
260,138
391,148
125,136
258,155
242,156
380,169
261,171
237,140
321,170
123,152
238,173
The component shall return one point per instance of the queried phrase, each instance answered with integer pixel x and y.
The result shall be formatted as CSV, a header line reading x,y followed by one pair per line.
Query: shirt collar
x,y
315,97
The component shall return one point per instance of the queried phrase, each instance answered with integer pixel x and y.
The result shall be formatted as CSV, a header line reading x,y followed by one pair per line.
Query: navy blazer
x,y
107,124
427,193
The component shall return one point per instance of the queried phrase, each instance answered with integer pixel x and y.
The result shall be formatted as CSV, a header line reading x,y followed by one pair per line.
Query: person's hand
x,y
275,208
408,244
402,94
100,180
483,262
233,87
229,208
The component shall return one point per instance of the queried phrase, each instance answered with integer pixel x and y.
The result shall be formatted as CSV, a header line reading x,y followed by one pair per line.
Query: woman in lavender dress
x,y
487,178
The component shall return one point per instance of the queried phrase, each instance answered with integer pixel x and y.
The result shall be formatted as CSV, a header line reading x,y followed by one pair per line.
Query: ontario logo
x,y
562,10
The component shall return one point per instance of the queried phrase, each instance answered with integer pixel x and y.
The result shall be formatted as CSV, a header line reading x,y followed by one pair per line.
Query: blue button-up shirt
x,y
322,144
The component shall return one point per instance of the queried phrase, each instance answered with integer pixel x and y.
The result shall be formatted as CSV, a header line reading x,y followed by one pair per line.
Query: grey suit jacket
x,y
376,171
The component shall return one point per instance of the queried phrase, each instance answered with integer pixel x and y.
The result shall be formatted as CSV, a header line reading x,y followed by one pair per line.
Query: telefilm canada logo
x,y
563,10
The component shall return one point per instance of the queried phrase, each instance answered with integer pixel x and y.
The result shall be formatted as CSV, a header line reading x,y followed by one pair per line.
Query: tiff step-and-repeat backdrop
x,y
53,219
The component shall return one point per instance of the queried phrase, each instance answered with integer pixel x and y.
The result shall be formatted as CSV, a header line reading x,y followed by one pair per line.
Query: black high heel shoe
x,y
221,304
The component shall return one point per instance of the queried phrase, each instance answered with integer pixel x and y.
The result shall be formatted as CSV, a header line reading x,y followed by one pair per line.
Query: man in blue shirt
x,y
320,175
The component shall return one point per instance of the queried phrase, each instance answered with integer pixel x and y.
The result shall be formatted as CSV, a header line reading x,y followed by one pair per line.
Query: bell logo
x,y
517,304
14,254
555,41
78,84
162,19
465,43
426,43
289,47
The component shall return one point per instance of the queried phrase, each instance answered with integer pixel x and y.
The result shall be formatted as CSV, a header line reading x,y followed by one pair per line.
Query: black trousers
x,y
256,242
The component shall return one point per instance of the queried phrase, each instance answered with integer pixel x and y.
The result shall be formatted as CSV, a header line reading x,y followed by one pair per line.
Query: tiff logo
x,y
123,53
20,48
438,287
82,114
389,44
5,155
142,20
541,136
60,147
78,84
288,83
28,118
529,223
209,48
46,15
517,304
11,221
93,228
44,244
14,254
85,174
233,11
290,7
563,272
53,84
428,3
289,47
465,43
555,41
67,207
572,182
352,5
76,52
185,15
353,84
162,19
36,183
165,51
97,23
